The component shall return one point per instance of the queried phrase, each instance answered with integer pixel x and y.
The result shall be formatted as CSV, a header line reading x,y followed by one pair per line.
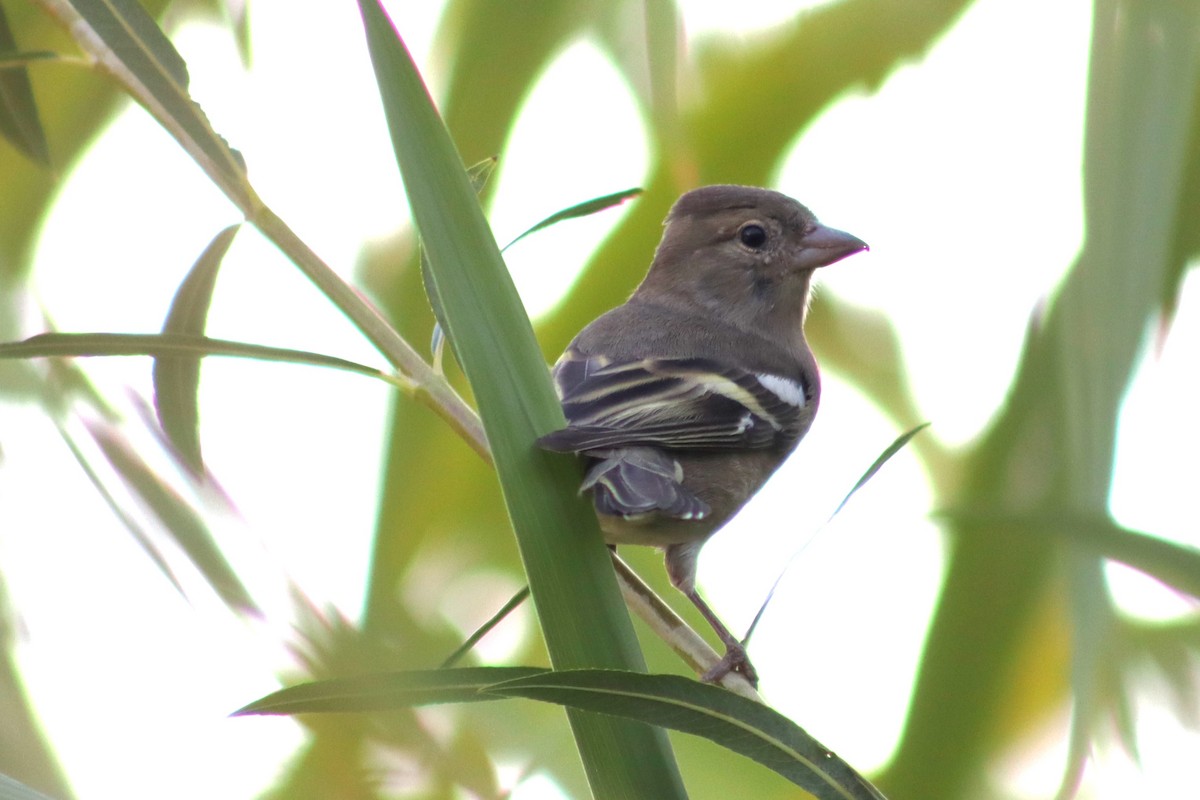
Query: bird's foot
x,y
734,660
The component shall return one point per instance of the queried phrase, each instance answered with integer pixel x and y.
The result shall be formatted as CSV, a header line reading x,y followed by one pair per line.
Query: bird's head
x,y
745,252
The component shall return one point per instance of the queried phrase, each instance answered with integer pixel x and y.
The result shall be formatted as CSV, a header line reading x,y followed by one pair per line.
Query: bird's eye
x,y
753,236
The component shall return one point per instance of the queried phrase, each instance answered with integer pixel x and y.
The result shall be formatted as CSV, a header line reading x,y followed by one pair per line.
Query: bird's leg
x,y
681,569
735,658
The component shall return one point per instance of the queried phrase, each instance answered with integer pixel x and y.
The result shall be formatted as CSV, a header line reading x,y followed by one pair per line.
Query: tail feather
x,y
633,481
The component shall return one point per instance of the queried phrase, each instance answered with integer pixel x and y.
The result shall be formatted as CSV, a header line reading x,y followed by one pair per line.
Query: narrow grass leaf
x,y
483,629
682,704
86,345
20,122
127,42
583,619
584,209
177,378
884,457
386,691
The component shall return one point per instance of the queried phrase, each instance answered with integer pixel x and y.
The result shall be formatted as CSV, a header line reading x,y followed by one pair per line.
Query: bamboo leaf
x,y
20,122
85,345
734,722
127,42
383,691
177,378
1176,565
583,619
884,457
584,209
519,597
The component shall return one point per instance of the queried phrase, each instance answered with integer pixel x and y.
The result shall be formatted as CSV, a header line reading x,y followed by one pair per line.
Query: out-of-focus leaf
x,y
649,52
1141,86
231,14
73,103
24,747
10,60
1172,649
83,345
131,525
382,691
1186,244
1176,565
737,723
177,379
20,122
14,790
584,209
568,568
863,346
473,767
1052,449
478,35
127,42
183,523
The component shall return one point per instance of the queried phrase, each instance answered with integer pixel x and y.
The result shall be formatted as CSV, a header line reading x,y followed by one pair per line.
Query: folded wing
x,y
674,403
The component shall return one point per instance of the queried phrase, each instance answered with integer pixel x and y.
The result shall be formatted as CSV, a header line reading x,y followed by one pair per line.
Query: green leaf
x,y
884,457
478,178
84,345
586,208
128,43
583,618
519,597
671,701
176,378
734,722
386,691
20,122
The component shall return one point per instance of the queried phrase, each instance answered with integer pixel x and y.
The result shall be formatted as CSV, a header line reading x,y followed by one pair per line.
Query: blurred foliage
x,y
1024,621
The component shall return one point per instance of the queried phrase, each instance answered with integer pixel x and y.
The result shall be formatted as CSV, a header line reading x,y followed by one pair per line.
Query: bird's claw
x,y
734,660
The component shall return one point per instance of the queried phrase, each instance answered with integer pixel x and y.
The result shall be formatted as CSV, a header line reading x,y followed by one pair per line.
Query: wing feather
x,y
675,403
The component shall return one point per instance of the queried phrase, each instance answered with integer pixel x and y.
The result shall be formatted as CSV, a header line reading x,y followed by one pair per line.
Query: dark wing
x,y
674,403
630,482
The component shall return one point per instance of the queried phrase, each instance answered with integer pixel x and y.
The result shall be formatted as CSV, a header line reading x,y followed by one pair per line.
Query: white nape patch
x,y
785,389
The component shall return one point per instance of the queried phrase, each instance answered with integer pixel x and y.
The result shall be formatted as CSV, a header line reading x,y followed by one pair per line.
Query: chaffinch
x,y
685,399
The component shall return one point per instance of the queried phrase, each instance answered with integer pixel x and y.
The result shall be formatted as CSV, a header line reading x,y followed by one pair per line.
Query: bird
x,y
685,399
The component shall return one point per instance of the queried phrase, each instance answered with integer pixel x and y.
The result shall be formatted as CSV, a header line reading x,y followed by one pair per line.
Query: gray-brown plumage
x,y
686,398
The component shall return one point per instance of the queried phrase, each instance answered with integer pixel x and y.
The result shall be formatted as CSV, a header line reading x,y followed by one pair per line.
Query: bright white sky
x,y
923,171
